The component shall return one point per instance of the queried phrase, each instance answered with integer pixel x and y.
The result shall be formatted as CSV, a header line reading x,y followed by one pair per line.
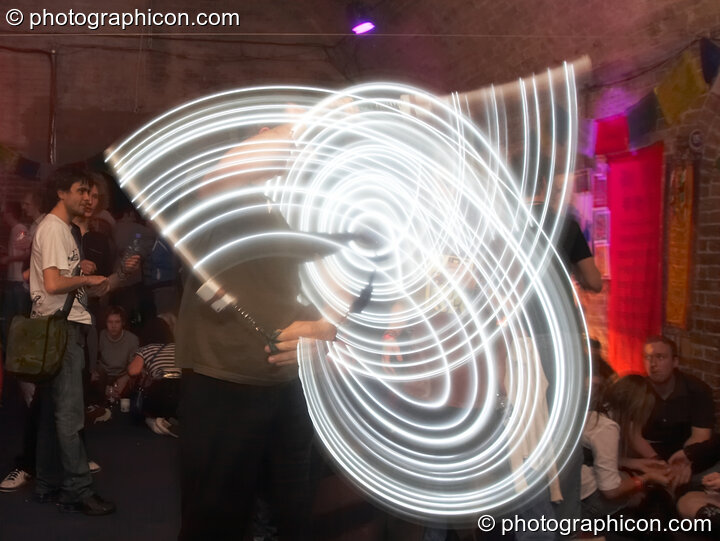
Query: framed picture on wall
x,y
602,258
599,190
582,181
601,225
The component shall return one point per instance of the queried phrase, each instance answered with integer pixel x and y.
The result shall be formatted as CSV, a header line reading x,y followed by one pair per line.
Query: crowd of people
x,y
648,443
78,252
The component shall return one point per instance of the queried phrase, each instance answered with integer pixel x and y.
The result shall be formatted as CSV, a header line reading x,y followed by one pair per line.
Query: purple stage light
x,y
363,27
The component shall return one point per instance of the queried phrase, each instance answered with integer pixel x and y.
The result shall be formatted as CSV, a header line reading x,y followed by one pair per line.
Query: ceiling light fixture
x,y
359,19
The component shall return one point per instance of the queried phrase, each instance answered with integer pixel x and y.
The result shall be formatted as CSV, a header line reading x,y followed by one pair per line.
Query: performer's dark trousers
x,y
227,432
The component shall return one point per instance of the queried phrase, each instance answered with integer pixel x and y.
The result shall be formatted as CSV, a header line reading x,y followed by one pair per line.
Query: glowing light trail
x,y
448,419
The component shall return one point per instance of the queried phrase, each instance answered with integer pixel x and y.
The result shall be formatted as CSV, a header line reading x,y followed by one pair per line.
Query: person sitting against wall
x,y
704,504
680,427
606,438
156,397
109,378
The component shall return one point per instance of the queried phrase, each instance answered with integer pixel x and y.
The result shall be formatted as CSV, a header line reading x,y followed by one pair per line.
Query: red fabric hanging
x,y
635,301
612,134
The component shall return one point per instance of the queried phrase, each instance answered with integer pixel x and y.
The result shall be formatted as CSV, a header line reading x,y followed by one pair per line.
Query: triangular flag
x,y
642,119
682,86
611,134
710,59
27,168
8,158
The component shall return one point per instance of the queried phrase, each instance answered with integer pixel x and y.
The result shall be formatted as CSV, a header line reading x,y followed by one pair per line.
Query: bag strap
x,y
77,236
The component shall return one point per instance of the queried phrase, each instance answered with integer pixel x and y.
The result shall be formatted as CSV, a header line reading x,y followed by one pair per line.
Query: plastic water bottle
x,y
133,248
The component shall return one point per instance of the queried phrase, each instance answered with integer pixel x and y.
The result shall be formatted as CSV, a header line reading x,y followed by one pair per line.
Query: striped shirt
x,y
158,359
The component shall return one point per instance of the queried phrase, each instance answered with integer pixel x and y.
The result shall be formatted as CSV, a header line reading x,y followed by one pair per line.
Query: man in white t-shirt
x,y
62,465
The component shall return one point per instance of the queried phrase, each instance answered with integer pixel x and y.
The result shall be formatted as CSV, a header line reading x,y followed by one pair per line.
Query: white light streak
x,y
465,271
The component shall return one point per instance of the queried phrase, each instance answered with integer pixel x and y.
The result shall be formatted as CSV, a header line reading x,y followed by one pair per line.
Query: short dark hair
x,y
664,340
64,177
116,311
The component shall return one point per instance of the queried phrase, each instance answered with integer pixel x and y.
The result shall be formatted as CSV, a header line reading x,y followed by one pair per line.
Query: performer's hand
x,y
287,340
391,352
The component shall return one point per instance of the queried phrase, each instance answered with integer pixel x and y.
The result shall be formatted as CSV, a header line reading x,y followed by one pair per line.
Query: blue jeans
x,y
62,462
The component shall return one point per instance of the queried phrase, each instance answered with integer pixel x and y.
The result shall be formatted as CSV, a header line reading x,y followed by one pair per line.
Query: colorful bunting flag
x,y
642,119
8,158
682,86
611,134
710,59
27,168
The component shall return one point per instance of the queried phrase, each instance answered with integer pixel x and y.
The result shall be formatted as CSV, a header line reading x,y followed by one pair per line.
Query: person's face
x,y
659,362
28,206
76,199
92,205
113,324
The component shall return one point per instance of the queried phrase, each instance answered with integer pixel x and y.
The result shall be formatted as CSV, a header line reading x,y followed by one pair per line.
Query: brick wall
x,y
107,86
699,343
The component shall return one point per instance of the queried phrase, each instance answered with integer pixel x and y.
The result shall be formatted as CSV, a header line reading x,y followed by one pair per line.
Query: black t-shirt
x,y
572,245
97,248
671,421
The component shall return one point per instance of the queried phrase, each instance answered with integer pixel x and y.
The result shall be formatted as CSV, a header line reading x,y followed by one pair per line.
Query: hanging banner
x,y
682,86
680,232
611,134
635,296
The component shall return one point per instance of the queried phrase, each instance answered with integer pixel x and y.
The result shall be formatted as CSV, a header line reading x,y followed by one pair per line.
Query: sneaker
x,y
92,506
94,466
105,415
14,480
160,426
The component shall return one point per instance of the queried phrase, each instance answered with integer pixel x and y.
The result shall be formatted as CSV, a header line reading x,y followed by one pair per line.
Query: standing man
x,y
243,418
62,466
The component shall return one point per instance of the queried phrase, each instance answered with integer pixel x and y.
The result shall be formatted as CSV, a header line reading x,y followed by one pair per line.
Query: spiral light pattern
x,y
433,398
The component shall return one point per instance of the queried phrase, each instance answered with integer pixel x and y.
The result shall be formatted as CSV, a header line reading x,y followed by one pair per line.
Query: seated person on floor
x,y
680,426
704,504
109,377
158,389
605,440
